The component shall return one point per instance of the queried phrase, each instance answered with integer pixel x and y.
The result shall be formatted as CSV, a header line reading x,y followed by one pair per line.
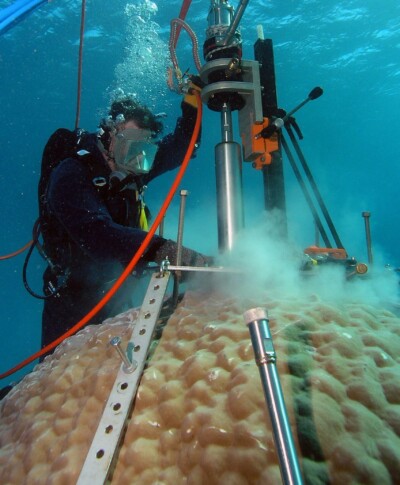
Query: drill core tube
x,y
261,338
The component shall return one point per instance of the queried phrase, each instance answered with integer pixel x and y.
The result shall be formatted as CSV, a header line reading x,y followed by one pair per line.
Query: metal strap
x,y
110,429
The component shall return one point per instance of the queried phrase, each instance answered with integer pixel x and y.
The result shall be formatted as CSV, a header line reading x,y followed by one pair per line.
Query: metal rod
x,y
177,276
316,242
265,356
288,115
201,269
128,366
366,216
314,187
182,207
306,193
226,123
235,21
314,94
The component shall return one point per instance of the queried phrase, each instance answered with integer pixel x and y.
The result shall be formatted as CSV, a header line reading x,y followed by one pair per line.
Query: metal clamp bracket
x,y
116,412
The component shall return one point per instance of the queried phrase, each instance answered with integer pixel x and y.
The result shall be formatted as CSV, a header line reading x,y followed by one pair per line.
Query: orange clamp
x,y
336,253
263,147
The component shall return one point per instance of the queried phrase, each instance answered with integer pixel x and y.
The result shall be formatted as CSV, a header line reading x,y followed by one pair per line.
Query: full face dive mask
x,y
134,150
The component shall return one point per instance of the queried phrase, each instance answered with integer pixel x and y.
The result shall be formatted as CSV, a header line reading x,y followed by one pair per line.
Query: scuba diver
x,y
92,213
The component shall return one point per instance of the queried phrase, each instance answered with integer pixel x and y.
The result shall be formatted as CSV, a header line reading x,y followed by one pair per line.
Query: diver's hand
x,y
195,85
189,257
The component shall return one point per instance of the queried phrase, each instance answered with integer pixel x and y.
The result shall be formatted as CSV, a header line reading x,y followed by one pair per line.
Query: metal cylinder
x,y
182,207
219,18
235,21
128,366
228,171
366,216
265,356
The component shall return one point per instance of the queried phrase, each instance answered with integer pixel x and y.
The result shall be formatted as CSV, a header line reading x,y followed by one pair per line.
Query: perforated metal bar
x,y
112,423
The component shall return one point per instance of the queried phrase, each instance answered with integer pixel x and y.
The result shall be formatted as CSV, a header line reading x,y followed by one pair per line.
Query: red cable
x,y
15,253
128,270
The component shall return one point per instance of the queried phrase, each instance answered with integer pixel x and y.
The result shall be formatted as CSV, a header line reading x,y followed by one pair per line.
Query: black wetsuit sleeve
x,y
173,147
78,207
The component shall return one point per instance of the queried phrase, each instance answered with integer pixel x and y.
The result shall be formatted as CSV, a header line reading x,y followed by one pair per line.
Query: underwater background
x,y
351,49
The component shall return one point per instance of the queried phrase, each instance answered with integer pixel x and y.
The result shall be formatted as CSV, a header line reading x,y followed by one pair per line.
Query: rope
x,y
79,89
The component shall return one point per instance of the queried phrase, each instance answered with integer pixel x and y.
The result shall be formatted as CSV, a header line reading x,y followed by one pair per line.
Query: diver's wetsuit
x,y
91,235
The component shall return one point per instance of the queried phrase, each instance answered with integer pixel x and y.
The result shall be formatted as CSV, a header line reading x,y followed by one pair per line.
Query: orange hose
x,y
128,270
15,253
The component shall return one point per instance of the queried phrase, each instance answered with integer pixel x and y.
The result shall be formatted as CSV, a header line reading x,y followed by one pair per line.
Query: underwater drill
x,y
249,87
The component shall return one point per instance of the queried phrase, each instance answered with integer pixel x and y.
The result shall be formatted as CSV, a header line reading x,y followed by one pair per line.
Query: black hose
x,y
35,243
305,192
314,187
24,272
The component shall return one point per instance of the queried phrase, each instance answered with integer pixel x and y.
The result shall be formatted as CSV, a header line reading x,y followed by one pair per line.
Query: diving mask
x,y
134,150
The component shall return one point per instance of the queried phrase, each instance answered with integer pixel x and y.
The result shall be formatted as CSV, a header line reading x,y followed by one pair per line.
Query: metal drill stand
x,y
226,92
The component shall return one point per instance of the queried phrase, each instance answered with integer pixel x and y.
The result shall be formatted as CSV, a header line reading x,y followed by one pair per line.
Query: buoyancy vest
x,y
124,200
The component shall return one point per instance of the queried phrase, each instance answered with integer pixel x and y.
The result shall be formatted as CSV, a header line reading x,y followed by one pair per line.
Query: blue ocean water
x,y
350,48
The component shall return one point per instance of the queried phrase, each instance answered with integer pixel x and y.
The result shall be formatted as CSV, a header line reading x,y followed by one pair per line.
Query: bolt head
x,y
115,341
